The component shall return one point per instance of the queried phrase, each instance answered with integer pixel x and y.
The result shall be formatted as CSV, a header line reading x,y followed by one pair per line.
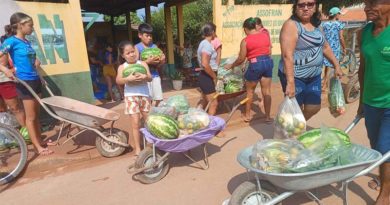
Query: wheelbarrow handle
x,y
244,101
215,96
353,123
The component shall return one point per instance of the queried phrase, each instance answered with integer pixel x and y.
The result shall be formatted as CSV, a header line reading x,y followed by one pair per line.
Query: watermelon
x,y
150,52
162,126
23,131
310,137
232,87
133,68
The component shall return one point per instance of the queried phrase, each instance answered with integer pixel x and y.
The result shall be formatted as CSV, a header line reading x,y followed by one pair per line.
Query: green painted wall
x,y
77,86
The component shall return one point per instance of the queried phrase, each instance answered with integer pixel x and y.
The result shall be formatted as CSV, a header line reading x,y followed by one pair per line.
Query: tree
x,y
195,15
326,4
121,20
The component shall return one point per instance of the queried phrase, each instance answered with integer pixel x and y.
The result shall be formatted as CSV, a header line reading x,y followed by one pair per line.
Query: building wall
x,y
59,42
230,18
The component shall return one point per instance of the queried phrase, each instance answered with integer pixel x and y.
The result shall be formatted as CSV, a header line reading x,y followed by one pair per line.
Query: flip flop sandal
x,y
375,184
46,152
49,143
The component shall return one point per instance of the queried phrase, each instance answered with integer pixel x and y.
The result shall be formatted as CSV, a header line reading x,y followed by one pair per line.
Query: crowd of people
x,y
307,45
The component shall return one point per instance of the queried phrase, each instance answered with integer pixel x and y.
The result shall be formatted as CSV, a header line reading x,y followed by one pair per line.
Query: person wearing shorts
x,y
26,64
137,98
303,47
207,57
256,47
155,63
109,71
374,82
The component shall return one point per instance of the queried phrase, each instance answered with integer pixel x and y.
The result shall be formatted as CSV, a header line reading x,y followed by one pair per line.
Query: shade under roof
x,y
118,7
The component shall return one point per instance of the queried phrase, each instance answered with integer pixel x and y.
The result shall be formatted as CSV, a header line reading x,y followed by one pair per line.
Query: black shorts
x,y
206,83
24,94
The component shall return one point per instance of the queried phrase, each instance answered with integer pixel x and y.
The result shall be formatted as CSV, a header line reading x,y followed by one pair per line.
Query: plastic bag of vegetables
x,y
222,72
179,102
289,121
8,119
196,119
327,149
336,97
164,109
273,155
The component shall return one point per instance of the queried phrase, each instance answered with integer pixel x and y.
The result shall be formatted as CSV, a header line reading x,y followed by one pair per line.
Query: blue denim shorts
x,y
307,90
259,67
378,127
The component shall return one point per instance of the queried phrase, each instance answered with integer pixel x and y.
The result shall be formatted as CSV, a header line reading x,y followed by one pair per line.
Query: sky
x,y
141,12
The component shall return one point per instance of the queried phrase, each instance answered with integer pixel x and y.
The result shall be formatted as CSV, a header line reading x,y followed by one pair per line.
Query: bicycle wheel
x,y
348,62
13,153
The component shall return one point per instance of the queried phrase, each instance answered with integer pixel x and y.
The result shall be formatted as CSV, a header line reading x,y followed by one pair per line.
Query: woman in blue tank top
x,y
303,49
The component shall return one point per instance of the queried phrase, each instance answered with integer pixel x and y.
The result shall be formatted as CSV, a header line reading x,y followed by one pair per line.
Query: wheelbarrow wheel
x,y
154,174
248,193
108,149
352,90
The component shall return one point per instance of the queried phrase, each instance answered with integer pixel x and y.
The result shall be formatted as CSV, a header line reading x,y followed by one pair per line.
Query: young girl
x,y
26,64
137,99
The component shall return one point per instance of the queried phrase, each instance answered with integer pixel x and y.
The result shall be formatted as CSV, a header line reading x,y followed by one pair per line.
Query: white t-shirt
x,y
140,89
206,47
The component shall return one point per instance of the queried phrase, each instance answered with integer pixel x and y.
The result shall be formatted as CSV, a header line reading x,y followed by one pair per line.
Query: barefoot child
x,y
24,58
136,92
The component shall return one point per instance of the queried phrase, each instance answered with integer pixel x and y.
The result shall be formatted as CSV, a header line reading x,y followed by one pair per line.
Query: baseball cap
x,y
335,10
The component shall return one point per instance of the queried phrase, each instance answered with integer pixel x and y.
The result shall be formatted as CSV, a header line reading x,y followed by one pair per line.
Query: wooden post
x,y
148,16
180,27
217,15
113,30
128,25
169,34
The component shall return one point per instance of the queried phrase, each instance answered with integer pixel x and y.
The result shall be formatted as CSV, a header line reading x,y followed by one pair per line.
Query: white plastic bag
x,y
8,119
272,155
289,121
196,119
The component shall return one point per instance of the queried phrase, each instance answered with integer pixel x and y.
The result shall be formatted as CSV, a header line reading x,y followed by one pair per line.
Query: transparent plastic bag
x,y
273,155
179,102
327,151
196,119
220,87
221,69
232,79
165,110
8,119
289,121
336,97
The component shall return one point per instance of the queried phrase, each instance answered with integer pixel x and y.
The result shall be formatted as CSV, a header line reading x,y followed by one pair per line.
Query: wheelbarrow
x,y
111,142
151,164
263,190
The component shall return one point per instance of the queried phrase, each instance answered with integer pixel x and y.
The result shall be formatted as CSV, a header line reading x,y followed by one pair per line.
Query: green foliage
x,y
121,20
177,76
195,15
326,4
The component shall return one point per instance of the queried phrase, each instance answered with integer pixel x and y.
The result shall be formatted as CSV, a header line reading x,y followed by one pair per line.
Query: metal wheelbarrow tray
x,y
314,179
80,112
264,189
110,142
151,165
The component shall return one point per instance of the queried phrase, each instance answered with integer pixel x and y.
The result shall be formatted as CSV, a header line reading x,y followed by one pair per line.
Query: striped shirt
x,y
308,54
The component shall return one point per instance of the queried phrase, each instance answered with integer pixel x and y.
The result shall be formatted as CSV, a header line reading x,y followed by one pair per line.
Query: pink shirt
x,y
216,43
